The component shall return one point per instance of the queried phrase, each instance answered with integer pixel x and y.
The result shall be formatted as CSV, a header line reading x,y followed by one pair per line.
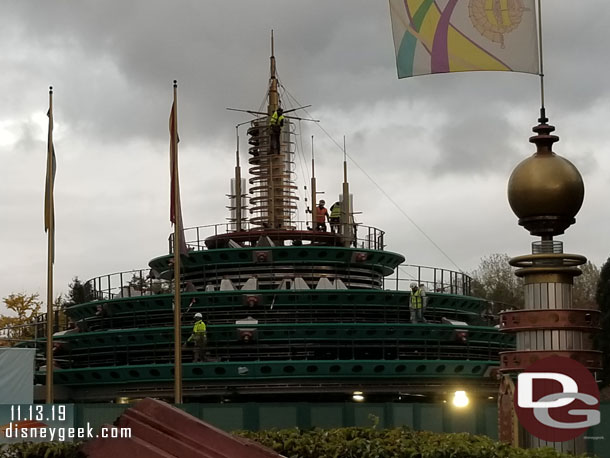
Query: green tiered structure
x,y
293,313
271,340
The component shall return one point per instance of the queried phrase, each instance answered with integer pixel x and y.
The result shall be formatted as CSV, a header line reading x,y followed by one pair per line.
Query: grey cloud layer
x,y
112,64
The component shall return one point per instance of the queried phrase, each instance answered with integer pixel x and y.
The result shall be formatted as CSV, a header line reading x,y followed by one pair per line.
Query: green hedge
x,y
338,443
388,443
42,450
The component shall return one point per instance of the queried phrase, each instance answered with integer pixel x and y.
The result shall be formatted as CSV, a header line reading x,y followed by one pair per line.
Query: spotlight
x,y
358,396
460,399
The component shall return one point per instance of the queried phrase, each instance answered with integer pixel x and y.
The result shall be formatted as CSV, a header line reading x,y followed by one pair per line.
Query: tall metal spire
x,y
346,205
274,98
273,202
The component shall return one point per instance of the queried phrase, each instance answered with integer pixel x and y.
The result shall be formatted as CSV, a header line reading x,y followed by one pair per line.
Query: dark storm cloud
x,y
127,54
338,54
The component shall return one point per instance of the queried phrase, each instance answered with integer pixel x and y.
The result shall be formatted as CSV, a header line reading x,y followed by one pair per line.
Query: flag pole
x,y
314,202
50,226
177,245
543,117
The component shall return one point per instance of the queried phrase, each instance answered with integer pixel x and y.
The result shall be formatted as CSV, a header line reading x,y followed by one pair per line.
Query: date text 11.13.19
x,y
38,412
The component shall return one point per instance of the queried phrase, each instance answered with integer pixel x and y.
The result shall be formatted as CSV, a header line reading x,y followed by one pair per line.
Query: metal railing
x,y
433,279
35,329
142,282
326,347
131,283
359,235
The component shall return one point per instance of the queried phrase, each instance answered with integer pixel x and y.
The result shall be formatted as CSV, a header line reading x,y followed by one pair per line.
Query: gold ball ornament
x,y
545,190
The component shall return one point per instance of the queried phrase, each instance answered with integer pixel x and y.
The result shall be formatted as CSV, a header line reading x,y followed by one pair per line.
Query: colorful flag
x,y
175,209
441,36
49,203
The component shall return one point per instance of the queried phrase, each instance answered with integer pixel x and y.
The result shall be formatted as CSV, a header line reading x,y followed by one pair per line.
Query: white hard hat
x,y
198,315
412,285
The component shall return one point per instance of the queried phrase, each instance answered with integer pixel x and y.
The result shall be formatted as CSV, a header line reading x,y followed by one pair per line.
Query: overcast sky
x,y
442,146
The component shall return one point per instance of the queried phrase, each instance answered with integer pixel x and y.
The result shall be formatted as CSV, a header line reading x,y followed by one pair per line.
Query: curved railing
x,y
433,279
131,283
141,282
360,236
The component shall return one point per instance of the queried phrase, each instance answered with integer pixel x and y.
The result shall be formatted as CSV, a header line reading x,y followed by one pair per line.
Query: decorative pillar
x,y
546,192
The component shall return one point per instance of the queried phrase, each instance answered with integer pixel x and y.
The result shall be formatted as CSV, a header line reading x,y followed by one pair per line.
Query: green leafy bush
x,y
42,450
388,443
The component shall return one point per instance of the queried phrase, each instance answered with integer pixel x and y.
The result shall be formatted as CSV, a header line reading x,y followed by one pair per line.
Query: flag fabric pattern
x,y
442,36
49,203
175,211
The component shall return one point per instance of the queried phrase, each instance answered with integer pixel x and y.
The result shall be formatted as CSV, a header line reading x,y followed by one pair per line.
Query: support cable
x,y
404,213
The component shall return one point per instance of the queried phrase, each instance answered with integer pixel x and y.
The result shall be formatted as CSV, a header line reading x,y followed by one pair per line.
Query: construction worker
x,y
276,123
335,217
199,337
321,216
422,288
417,303
355,230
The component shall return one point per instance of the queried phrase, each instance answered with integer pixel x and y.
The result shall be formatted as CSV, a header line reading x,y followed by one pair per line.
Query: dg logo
x,y
557,399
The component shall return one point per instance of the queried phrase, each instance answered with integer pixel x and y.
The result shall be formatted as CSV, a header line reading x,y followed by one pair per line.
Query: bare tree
x,y
495,281
585,287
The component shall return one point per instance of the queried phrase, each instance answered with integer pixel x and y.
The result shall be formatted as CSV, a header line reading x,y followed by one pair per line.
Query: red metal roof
x,y
161,430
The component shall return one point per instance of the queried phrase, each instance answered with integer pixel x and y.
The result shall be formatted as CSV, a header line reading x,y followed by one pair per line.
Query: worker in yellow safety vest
x,y
276,123
335,217
418,302
199,337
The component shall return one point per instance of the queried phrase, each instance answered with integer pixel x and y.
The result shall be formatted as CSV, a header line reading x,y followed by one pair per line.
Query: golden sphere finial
x,y
545,190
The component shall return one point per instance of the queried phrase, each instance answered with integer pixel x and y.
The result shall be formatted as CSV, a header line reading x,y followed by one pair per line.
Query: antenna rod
x,y
274,100
266,114
346,210
237,149
543,117
344,161
297,108
238,190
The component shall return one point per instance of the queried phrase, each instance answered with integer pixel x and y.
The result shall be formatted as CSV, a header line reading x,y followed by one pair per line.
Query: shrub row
x,y
338,443
42,450
388,443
